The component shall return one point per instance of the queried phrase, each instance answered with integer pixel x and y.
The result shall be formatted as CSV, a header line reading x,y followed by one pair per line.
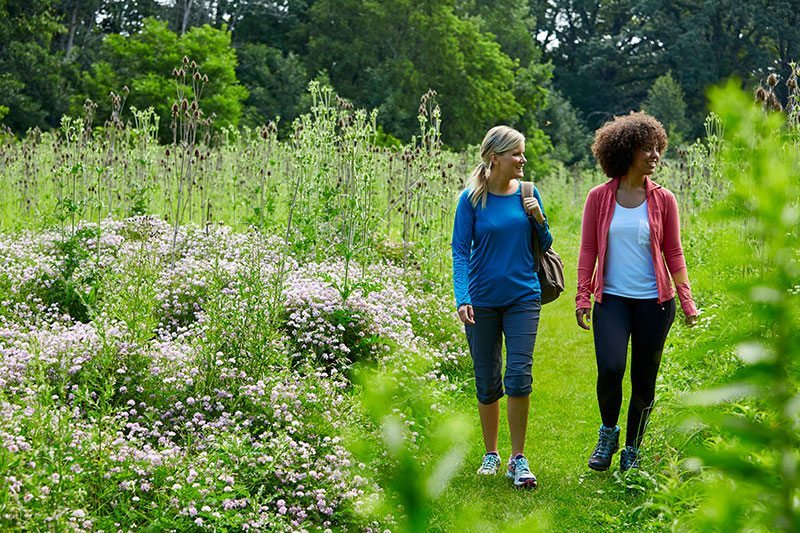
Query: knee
x,y
610,373
489,385
488,392
519,385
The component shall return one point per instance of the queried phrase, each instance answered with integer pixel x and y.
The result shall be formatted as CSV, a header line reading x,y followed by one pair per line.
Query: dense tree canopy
x,y
547,67
144,63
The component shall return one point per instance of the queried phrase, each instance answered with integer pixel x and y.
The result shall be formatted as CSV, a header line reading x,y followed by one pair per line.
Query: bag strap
x,y
527,192
527,189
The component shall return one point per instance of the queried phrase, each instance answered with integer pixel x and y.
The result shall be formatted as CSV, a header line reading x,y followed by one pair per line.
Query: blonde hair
x,y
498,140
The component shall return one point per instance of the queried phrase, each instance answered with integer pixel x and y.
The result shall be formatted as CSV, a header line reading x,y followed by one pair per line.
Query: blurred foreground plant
x,y
421,448
757,411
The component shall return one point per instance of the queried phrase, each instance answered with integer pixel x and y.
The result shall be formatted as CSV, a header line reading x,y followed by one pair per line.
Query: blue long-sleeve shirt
x,y
493,262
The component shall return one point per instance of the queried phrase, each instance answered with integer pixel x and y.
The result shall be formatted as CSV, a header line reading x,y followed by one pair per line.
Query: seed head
x,y
773,103
772,80
761,95
197,76
791,83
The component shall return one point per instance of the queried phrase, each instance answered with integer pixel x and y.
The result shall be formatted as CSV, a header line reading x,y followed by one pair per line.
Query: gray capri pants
x,y
518,322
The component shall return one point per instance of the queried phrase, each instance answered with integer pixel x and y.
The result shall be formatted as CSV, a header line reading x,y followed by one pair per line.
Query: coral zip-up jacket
x,y
665,244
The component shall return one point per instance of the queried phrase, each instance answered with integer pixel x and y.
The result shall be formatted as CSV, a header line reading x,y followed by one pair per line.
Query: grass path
x,y
562,431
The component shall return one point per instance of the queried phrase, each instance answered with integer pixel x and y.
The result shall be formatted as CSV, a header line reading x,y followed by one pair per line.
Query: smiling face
x,y
645,160
510,163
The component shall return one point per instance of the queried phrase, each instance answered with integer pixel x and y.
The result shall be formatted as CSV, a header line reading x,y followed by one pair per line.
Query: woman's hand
x,y
532,208
466,314
584,317
690,321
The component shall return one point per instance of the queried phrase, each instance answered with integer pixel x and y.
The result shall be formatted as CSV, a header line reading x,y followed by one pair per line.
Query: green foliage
x,y
665,102
422,446
144,62
276,83
567,131
753,413
404,48
608,53
32,80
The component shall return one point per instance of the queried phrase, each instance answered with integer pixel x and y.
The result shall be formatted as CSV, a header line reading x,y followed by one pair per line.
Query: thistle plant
x,y
188,123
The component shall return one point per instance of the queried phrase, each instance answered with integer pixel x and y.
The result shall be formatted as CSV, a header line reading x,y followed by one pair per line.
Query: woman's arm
x,y
587,256
463,234
673,255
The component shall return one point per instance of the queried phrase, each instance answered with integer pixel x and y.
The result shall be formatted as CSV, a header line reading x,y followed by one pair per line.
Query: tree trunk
x,y
73,25
186,16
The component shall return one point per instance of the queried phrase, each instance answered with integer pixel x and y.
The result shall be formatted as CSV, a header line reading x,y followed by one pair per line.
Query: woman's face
x,y
511,162
645,159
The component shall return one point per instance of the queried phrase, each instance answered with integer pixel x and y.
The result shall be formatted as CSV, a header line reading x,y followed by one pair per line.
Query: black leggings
x,y
646,323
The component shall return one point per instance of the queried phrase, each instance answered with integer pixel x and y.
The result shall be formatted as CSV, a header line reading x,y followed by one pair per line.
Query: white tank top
x,y
629,267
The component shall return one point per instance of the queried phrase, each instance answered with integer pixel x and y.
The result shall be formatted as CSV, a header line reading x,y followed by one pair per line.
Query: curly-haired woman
x,y
630,244
497,290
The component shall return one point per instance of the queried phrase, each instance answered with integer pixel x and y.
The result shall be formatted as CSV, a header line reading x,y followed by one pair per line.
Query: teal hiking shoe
x,y
629,458
490,464
520,472
607,446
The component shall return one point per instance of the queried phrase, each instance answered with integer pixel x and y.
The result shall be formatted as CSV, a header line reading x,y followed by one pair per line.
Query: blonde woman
x,y
497,291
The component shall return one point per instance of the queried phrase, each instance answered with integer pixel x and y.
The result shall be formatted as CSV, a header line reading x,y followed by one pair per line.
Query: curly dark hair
x,y
617,140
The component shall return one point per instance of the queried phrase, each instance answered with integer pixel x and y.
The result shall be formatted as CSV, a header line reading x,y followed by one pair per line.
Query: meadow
x,y
240,331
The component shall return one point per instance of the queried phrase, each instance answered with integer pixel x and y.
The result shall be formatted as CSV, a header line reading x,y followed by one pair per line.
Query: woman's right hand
x,y
584,317
466,314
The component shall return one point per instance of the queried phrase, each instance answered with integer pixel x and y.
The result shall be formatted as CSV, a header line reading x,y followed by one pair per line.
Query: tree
x,y
33,82
144,62
276,83
567,131
604,59
401,50
127,17
665,102
608,53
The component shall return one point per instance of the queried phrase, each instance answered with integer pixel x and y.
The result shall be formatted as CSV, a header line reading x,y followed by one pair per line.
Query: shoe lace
x,y
629,457
521,467
604,444
491,460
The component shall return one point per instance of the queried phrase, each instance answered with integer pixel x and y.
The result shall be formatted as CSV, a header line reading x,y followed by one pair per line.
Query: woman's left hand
x,y
532,208
690,320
